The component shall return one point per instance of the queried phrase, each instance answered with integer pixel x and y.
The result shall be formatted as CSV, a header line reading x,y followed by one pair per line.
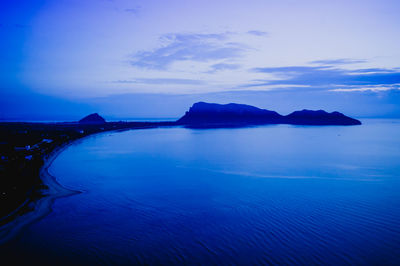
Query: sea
x,y
276,194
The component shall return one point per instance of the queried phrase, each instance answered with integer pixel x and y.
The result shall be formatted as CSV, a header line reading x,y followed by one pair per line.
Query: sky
x,y
61,59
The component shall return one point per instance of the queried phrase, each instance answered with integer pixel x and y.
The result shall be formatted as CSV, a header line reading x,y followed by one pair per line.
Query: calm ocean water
x,y
272,194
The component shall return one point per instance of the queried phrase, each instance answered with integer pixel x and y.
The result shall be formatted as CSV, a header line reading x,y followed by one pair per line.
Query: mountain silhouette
x,y
320,117
203,114
92,119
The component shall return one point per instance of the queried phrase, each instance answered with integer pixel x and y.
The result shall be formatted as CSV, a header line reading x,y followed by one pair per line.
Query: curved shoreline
x,y
43,206
55,190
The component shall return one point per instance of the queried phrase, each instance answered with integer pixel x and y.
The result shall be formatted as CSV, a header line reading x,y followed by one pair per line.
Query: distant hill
x,y
92,119
320,117
211,113
203,114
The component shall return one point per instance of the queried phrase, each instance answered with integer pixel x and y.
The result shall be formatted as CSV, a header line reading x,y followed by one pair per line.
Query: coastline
x,y
43,206
36,188
54,190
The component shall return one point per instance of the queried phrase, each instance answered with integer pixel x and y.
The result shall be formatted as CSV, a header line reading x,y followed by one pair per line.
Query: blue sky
x,y
155,58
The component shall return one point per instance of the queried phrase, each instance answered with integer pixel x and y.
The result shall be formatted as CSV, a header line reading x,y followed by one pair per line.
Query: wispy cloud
x,y
368,88
374,70
258,33
328,76
223,66
188,47
340,61
161,81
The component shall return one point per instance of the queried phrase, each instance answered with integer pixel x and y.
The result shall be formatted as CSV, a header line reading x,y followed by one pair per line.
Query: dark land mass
x,y
25,146
92,119
211,115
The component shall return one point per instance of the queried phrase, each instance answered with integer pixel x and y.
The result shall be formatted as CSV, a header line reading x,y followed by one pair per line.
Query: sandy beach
x,y
42,206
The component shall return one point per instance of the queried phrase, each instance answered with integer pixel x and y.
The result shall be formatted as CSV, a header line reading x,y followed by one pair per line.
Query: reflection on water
x,y
273,194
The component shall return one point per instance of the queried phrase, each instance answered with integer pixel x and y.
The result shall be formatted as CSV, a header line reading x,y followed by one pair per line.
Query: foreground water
x,y
273,194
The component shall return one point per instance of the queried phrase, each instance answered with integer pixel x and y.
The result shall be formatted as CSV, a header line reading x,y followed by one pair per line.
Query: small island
x,y
211,115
